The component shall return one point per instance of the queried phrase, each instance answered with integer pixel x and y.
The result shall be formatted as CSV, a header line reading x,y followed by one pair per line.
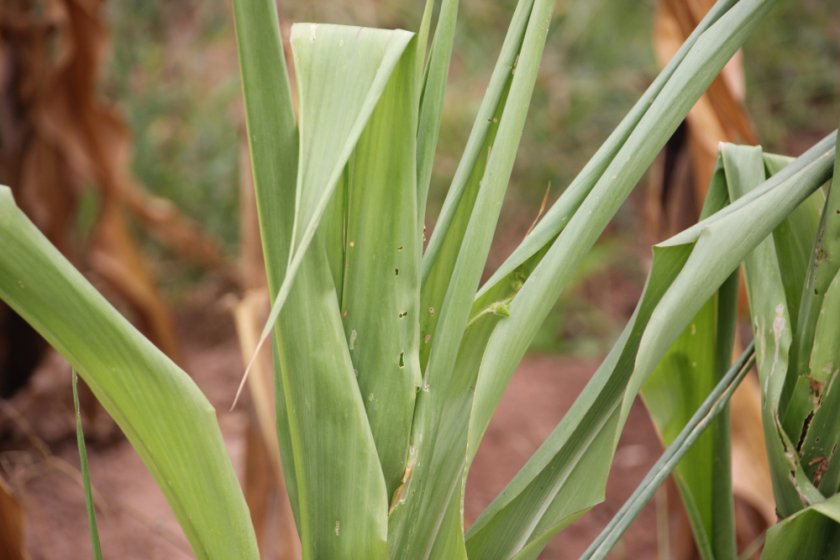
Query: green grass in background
x,y
793,82
173,74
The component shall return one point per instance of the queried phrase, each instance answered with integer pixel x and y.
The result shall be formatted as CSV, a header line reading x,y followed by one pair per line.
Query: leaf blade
x,y
162,412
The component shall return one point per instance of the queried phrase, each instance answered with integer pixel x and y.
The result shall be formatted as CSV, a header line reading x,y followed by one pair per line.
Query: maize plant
x,y
391,354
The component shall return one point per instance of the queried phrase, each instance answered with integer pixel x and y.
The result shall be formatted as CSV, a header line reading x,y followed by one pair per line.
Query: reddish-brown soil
x,y
39,455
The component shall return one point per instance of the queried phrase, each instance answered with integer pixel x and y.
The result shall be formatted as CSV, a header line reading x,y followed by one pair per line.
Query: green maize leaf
x,y
667,102
812,533
161,411
645,147
380,302
686,272
535,296
273,143
817,336
825,262
449,529
822,435
341,72
341,493
431,104
678,387
333,230
337,488
272,130
567,475
423,34
683,444
772,327
447,238
794,241
450,541
96,546
440,430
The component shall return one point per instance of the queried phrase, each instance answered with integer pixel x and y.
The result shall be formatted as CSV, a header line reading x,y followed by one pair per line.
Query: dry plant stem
x,y
265,489
12,521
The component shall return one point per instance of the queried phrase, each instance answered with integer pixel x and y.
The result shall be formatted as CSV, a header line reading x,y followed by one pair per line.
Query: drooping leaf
x,y
163,414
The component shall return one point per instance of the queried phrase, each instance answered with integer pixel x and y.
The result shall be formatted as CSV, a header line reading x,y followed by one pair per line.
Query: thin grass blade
x,y
95,544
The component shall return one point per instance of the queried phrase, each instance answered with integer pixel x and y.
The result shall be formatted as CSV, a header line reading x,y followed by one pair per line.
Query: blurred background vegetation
x,y
172,72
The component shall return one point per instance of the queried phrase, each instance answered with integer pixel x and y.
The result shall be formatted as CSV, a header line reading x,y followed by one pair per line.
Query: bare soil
x,y
38,455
